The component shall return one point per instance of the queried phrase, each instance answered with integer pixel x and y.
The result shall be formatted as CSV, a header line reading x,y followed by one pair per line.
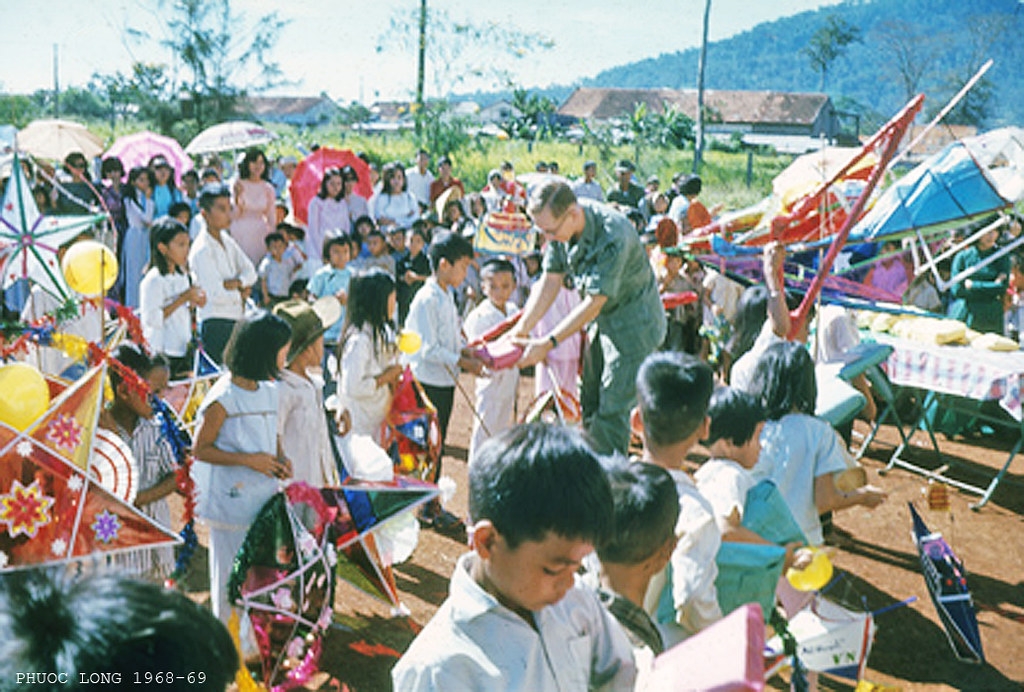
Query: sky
x,y
331,45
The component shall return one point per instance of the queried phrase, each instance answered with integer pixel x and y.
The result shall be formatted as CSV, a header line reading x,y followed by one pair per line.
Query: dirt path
x,y
878,562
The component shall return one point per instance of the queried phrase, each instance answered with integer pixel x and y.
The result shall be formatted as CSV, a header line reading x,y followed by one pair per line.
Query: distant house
x,y
303,111
390,111
498,112
752,114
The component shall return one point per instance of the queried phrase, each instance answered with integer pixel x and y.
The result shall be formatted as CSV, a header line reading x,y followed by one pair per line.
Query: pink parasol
x,y
137,149
310,172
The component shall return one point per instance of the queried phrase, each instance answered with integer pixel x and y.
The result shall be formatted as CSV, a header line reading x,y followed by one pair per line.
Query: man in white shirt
x,y
222,269
587,187
418,179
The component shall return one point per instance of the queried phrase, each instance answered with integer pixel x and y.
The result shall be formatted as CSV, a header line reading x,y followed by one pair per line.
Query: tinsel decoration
x,y
181,446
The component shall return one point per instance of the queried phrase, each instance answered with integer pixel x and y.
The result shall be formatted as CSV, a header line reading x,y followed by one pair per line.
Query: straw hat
x,y
308,322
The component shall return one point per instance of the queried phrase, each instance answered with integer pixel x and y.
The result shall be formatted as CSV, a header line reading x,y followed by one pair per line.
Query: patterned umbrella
x,y
137,150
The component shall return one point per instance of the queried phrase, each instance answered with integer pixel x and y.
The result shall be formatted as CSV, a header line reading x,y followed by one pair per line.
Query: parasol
x,y
29,240
55,139
305,183
137,150
226,136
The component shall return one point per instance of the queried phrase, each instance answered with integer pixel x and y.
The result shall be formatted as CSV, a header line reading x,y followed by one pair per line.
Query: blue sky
x,y
330,45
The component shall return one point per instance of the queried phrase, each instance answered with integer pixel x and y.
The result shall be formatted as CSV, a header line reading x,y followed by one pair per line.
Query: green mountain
x,y
906,46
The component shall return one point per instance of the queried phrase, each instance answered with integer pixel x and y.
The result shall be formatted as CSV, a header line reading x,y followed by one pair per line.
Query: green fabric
x,y
983,301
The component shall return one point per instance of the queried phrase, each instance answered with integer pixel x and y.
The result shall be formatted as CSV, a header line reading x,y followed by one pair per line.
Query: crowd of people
x,y
294,312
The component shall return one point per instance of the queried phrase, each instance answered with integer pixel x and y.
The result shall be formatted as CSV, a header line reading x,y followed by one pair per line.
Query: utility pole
x,y
698,146
56,81
421,66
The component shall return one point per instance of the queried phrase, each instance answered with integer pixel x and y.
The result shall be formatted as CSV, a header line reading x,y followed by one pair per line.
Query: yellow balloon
x,y
813,577
24,395
89,267
409,342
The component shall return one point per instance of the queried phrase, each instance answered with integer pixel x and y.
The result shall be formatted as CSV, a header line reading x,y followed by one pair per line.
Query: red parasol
x,y
310,172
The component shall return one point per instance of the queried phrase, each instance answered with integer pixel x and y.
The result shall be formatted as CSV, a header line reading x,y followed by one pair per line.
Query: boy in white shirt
x,y
495,390
516,618
673,390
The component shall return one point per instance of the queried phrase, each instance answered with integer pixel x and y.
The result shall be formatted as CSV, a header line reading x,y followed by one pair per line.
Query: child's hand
x,y
269,465
344,421
797,556
197,296
342,296
390,376
774,258
870,496
471,364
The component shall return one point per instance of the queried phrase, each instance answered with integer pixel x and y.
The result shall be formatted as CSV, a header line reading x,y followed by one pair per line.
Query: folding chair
x,y
885,390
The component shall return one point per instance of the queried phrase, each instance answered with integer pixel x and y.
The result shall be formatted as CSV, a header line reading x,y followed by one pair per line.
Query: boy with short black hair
x,y
380,254
436,364
496,391
276,270
646,509
333,279
515,618
223,270
673,390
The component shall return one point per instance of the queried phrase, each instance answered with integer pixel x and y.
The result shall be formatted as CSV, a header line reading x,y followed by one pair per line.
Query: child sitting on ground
x,y
801,453
515,617
673,390
496,390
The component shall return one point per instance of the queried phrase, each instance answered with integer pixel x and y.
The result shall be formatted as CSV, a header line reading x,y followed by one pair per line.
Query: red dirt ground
x,y
877,559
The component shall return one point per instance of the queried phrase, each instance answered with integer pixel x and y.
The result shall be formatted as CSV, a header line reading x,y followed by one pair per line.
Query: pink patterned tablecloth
x,y
958,370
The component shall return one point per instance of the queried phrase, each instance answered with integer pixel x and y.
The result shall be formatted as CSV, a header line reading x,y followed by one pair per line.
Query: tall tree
x,y
458,50
828,43
216,46
912,54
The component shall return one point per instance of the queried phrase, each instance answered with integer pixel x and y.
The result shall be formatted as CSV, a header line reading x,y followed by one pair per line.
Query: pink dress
x,y
253,217
562,364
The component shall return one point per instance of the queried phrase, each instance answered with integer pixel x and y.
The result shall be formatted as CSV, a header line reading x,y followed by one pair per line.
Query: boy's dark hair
x,y
274,237
375,233
734,416
363,220
448,246
135,359
784,381
108,624
179,207
190,174
421,231
287,229
251,352
537,479
691,186
210,193
645,510
297,288
672,391
497,265
343,239
164,231
210,173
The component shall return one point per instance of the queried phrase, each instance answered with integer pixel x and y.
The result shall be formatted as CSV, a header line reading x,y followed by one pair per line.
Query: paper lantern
x,y
89,267
814,576
24,395
409,342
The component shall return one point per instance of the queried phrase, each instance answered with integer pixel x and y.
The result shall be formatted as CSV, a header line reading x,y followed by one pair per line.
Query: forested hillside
x,y
905,46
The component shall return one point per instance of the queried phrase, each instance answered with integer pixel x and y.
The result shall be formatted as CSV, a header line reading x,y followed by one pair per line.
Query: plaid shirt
x,y
638,625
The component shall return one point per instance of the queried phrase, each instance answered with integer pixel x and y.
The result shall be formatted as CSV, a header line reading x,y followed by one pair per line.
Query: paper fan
x,y
113,465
